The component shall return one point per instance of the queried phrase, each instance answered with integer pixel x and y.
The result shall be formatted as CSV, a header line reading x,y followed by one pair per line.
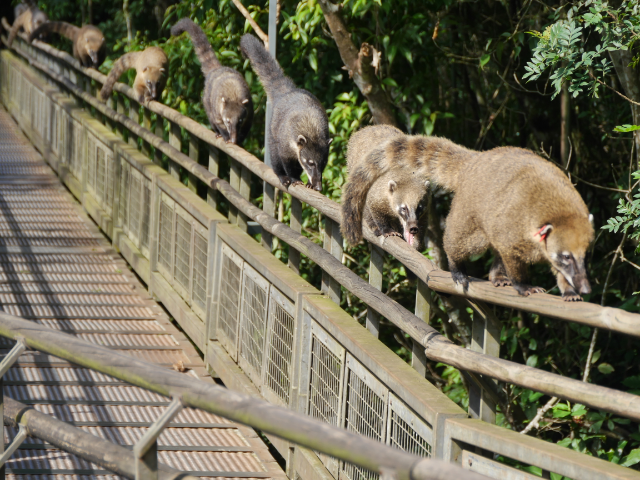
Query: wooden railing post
x,y
333,245
423,311
194,154
234,181
175,140
214,167
159,130
146,123
120,108
376,263
134,114
295,222
245,191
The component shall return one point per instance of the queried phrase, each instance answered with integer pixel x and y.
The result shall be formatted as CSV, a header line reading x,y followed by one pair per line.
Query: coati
x,y
507,199
29,20
226,96
396,201
150,64
88,41
299,130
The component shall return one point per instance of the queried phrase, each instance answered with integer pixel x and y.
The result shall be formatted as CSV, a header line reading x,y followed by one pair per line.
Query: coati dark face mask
x,y
234,115
313,159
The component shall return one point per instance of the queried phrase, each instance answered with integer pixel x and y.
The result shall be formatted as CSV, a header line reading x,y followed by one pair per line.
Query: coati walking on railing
x,y
299,130
396,201
88,41
29,19
507,199
226,96
151,65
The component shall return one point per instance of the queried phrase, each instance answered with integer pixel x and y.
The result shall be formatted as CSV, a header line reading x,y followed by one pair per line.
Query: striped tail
x,y
124,63
269,71
201,44
63,28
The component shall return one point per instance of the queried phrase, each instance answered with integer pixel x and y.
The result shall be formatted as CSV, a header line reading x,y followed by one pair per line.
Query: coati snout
x,y
312,160
88,41
408,200
93,44
234,115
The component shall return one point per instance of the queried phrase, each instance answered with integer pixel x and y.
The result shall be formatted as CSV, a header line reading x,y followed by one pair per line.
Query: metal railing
x,y
260,325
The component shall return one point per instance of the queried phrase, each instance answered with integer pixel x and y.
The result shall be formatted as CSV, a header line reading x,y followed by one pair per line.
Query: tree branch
x,y
256,28
360,66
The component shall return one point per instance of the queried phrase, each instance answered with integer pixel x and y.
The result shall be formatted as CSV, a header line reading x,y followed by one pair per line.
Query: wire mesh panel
x,y
123,209
326,373
406,430
135,192
146,216
280,334
228,308
365,411
253,323
182,259
165,236
199,271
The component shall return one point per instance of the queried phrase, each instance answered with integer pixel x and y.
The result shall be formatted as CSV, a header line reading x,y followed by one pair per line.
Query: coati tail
x,y
354,194
17,23
263,63
63,28
124,63
201,44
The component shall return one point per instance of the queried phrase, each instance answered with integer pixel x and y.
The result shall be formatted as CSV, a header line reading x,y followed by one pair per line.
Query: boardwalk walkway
x,y
56,269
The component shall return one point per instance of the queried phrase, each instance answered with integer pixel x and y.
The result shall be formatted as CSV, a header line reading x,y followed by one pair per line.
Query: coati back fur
x,y
29,20
88,41
299,129
226,96
396,201
151,65
506,199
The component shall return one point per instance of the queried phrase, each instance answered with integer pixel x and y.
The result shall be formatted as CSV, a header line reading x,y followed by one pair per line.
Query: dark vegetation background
x,y
455,69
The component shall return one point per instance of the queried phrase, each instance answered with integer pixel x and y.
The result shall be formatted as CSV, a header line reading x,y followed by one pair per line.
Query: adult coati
x,y
226,96
396,201
29,20
88,41
299,129
150,64
508,199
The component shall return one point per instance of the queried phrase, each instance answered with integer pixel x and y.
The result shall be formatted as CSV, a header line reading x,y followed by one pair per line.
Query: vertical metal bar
x,y
376,264
295,223
159,129
134,114
423,311
146,123
175,140
268,199
194,154
214,167
234,181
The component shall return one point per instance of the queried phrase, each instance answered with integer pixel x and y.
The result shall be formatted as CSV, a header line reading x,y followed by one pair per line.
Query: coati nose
x,y
585,287
318,188
413,230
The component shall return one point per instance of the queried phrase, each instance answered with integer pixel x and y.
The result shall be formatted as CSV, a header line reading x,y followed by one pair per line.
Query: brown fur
x,y
29,20
396,201
88,41
507,199
151,66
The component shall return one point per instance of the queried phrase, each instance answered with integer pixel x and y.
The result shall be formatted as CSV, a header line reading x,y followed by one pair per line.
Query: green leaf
x,y
631,459
626,128
484,59
532,361
605,368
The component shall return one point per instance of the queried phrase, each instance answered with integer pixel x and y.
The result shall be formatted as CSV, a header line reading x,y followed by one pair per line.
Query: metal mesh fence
x,y
324,383
404,436
253,327
230,276
183,252
280,352
146,213
200,270
166,235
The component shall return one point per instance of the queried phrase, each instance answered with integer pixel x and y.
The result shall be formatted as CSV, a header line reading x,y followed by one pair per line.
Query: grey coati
x,y
29,20
299,130
396,201
88,41
507,199
151,65
226,96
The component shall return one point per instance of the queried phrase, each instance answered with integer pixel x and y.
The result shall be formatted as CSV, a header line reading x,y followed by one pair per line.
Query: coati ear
x,y
301,141
162,70
245,101
330,141
544,231
591,219
392,186
427,183
145,69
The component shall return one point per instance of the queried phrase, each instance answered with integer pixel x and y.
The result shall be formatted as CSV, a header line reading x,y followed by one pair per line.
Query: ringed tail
x,y
201,44
269,71
124,63
63,28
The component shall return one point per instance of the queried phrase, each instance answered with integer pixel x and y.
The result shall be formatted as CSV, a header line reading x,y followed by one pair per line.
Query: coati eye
x,y
311,162
566,256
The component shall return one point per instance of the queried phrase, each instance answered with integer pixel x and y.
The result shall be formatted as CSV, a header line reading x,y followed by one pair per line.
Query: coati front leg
x,y
569,294
379,228
498,274
516,271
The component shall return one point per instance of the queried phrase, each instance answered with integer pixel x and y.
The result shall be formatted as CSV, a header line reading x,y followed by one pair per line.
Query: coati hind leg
x,y
462,239
498,274
516,270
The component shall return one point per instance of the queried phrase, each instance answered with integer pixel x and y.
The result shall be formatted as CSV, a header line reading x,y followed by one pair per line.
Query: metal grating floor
x,y
58,270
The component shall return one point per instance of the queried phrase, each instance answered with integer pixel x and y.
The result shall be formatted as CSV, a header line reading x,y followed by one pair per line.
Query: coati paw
x,y
392,234
297,182
500,281
460,278
571,297
526,290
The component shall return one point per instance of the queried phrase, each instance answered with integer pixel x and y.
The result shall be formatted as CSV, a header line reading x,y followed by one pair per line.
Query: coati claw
x,y
572,297
460,278
392,234
501,282
526,290
297,182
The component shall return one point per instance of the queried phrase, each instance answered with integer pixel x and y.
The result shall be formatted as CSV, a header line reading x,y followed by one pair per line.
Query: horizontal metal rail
x,y
110,456
437,346
438,280
282,422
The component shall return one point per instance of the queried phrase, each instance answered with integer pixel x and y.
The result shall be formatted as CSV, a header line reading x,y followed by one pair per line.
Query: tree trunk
x,y
630,81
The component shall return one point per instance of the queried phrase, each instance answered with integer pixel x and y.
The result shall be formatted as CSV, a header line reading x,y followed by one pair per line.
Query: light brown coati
x,y
299,129
506,199
88,41
396,201
29,20
226,97
150,64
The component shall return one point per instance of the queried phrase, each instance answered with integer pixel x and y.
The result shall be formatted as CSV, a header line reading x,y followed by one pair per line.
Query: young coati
x,y
29,20
299,130
226,96
150,64
396,201
88,41
507,199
